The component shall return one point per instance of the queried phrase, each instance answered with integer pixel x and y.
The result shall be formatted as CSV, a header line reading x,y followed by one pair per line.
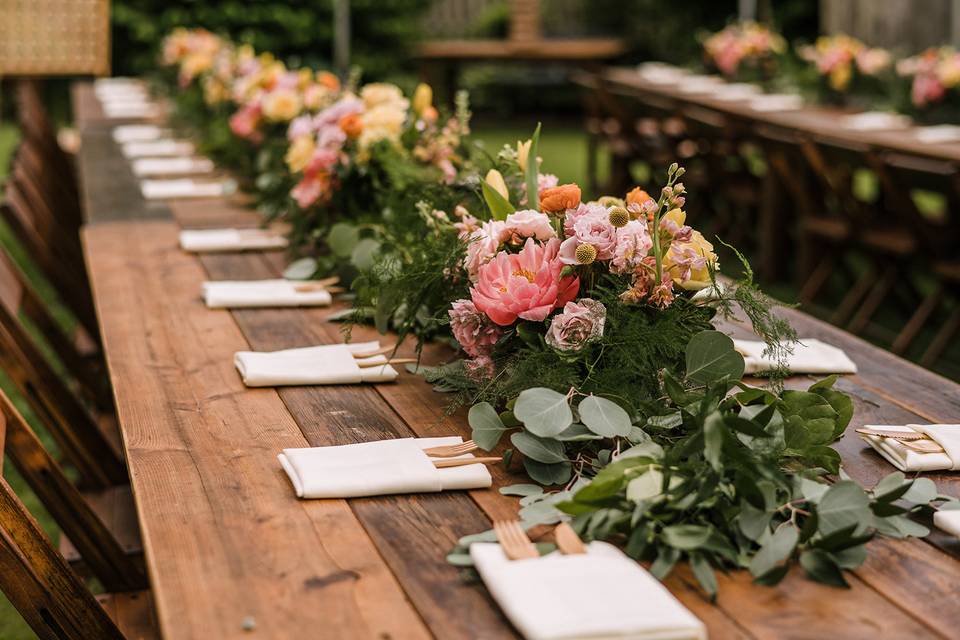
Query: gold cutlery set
x,y
914,440
516,544
379,352
451,451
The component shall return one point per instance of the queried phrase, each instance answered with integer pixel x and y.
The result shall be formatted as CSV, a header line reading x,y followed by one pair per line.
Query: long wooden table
x,y
231,552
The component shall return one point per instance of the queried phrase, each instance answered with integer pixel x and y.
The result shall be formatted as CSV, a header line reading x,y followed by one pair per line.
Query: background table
x,y
227,543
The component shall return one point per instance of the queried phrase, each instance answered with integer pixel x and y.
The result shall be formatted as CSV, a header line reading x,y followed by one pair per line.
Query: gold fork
x,y
911,440
378,352
567,540
368,365
451,450
514,541
446,463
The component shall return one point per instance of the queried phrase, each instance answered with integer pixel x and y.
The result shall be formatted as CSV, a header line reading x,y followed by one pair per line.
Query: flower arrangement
x,y
745,50
846,66
934,76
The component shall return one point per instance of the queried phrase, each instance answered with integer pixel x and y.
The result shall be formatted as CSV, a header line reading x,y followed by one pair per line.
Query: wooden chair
x,y
82,442
52,599
89,374
846,228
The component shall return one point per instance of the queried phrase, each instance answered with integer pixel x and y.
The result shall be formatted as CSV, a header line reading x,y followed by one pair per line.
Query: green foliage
x,y
300,32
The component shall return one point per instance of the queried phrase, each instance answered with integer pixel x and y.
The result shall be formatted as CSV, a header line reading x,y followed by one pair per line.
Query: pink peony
x,y
528,224
633,245
524,285
593,228
472,329
482,245
580,324
572,215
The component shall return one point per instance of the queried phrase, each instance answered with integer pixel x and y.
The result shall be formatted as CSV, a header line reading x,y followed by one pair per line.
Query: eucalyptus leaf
x,y
364,253
577,433
548,474
820,566
460,559
704,574
342,238
711,357
685,537
544,412
486,426
775,551
922,490
522,490
604,417
301,269
842,505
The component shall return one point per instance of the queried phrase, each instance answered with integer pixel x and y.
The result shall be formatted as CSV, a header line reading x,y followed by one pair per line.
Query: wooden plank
x,y
225,539
412,533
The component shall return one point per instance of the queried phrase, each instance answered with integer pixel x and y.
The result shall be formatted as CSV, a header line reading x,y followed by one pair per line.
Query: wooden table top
x,y
229,546
811,119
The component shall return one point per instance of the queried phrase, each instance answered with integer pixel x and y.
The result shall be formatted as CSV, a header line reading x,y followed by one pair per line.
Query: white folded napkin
x,y
938,134
809,356
326,364
699,84
155,148
233,294
735,92
876,121
137,133
660,73
131,110
948,520
117,83
214,240
182,188
906,459
144,167
599,594
378,468
777,102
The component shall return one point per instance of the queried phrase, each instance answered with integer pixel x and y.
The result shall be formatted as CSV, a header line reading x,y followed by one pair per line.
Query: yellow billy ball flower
x,y
619,216
586,254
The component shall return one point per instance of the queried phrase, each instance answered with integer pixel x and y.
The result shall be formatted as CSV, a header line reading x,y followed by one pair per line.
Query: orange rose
x,y
351,125
328,80
566,196
638,196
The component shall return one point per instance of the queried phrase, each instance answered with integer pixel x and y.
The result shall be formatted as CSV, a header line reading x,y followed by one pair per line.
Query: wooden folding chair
x,y
85,445
846,228
36,126
53,599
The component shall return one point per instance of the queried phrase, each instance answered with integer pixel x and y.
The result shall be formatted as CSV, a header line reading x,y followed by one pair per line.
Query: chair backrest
x,y
20,298
40,585
36,125
83,444
100,550
55,249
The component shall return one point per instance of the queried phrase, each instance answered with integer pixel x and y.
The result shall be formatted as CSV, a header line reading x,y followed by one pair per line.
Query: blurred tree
x,y
298,31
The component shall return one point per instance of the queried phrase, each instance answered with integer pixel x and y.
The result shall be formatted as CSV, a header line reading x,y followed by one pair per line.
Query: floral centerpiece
x,y
360,167
845,67
746,51
934,77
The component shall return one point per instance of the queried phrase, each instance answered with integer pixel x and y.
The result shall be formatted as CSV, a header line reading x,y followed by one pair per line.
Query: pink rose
x,y
244,122
299,127
482,245
633,245
322,160
579,324
310,188
528,224
473,329
524,285
571,216
593,228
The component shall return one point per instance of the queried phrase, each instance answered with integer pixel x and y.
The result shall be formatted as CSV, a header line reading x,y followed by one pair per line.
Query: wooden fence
x,y
906,26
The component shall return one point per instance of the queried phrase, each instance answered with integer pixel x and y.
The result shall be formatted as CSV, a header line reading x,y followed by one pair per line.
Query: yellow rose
x,y
300,152
282,105
379,93
523,150
384,122
422,98
495,179
840,77
678,217
699,278
214,91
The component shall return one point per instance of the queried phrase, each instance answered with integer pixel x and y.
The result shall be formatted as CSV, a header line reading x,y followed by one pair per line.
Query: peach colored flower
x,y
524,285
566,196
351,125
638,196
528,224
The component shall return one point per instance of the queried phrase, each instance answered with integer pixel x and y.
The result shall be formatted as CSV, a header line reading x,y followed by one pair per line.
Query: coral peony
x,y
524,285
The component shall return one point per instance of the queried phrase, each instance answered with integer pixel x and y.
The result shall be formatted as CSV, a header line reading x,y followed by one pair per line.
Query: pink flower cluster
x,y
747,41
934,72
